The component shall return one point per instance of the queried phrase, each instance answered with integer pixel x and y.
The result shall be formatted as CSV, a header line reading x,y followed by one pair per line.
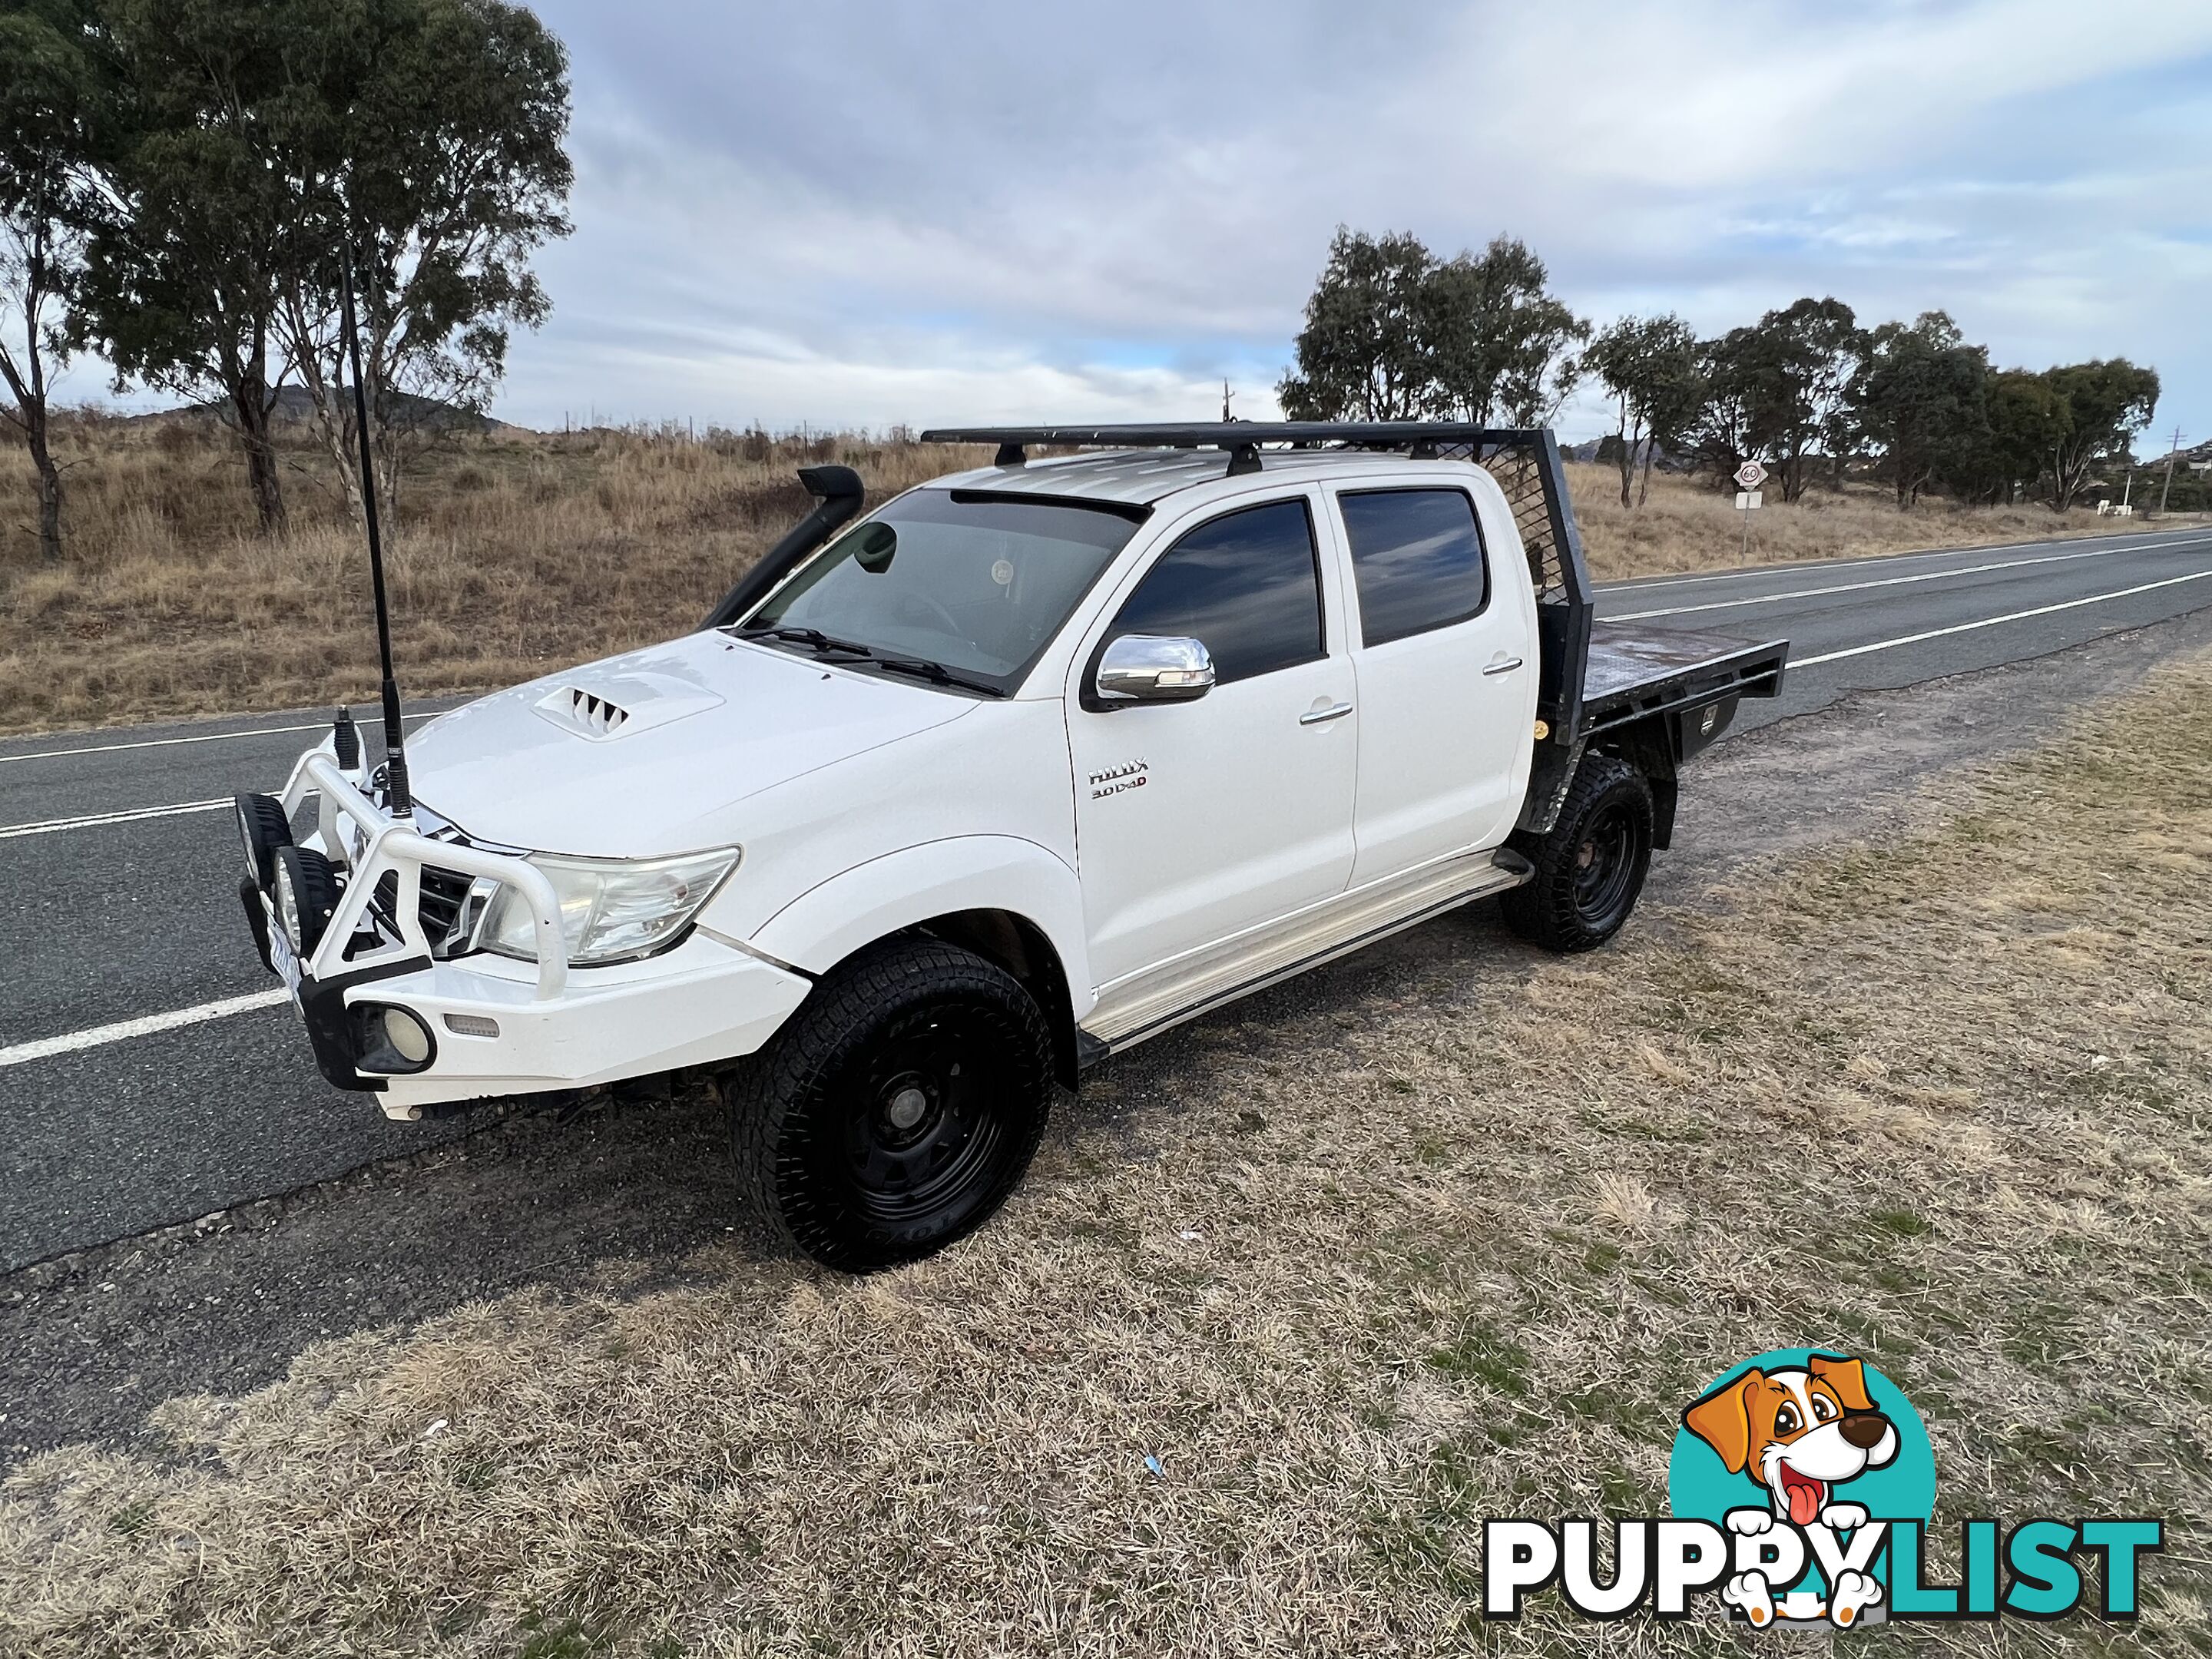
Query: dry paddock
x,y
1455,1244
516,554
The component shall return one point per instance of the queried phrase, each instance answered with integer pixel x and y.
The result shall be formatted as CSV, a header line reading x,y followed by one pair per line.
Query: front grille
x,y
444,893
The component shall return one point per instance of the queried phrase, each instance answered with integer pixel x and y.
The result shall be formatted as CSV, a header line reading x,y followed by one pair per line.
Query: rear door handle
x,y
1335,711
1505,667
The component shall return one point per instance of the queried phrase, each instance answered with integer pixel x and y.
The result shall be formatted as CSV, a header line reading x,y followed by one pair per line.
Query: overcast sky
x,y
862,215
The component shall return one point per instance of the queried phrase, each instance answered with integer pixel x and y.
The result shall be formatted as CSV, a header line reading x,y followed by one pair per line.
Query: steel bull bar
x,y
356,832
358,835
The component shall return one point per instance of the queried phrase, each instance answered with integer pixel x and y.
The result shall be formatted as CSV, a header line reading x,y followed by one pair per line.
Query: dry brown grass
x,y
1687,525
511,555
1461,1243
515,554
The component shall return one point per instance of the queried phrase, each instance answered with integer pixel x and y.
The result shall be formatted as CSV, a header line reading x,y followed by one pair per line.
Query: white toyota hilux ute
x,y
1029,764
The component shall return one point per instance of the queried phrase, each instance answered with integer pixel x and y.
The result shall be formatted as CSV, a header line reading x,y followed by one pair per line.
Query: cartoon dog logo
x,y
1800,1434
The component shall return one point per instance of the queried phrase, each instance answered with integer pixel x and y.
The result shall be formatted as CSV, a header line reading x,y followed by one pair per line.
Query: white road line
x,y
146,1025
165,742
1880,581
2127,545
54,826
1991,622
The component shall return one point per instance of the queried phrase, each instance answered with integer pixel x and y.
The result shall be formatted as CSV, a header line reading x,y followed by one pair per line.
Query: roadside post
x,y
1748,478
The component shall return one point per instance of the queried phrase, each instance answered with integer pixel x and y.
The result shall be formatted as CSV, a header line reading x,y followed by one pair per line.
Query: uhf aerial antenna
x,y
402,804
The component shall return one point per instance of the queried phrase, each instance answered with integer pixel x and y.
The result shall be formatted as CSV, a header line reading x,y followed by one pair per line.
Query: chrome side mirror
x,y
1153,668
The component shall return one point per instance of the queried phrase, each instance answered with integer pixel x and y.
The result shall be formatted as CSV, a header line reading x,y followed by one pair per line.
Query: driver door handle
x,y
1505,665
1335,711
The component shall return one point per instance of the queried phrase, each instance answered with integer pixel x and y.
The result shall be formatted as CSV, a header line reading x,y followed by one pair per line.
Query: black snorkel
x,y
837,491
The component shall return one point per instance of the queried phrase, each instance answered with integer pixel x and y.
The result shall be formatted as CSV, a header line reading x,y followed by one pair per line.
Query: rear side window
x,y
1417,555
1246,585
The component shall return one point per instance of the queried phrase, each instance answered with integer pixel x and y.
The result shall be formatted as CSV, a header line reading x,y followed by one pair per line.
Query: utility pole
x,y
1227,394
2168,484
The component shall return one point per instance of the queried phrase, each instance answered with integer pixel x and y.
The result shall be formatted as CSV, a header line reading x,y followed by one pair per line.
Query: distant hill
x,y
295,408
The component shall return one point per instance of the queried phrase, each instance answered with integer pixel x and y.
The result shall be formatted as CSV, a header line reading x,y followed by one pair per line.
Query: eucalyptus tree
x,y
262,139
1801,364
1921,395
182,268
1501,345
50,94
1649,367
2107,401
1364,352
441,167
1392,333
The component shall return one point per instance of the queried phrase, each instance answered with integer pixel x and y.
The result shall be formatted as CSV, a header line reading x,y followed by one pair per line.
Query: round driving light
x,y
306,892
406,1035
262,829
391,1041
287,911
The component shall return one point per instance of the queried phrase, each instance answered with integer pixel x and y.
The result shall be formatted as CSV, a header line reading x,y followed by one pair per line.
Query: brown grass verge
x,y
1689,525
1461,1243
516,554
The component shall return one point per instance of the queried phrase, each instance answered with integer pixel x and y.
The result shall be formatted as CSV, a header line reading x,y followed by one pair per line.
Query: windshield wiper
x,y
813,638
824,644
938,674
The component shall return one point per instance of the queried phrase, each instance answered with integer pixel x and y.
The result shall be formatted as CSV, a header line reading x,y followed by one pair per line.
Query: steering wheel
x,y
946,625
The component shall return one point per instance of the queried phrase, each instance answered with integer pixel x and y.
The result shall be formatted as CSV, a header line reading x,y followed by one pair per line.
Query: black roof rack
x,y
1242,439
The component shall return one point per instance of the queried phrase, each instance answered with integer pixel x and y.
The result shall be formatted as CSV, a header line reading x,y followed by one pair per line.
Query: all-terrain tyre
x,y
1591,867
895,1111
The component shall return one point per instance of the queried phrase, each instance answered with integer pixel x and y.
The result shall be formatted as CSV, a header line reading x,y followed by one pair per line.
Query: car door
x,y
1446,663
1197,821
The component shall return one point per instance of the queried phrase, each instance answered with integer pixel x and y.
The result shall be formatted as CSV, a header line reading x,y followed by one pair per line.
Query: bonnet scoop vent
x,y
593,714
604,707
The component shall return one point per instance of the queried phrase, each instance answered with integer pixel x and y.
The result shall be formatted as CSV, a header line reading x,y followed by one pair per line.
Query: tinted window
x,y
1418,557
980,584
1246,584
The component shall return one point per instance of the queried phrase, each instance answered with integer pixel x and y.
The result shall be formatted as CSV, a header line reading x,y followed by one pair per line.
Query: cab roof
x,y
1140,478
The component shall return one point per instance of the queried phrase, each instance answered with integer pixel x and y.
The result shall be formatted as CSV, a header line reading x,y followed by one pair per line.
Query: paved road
x,y
116,899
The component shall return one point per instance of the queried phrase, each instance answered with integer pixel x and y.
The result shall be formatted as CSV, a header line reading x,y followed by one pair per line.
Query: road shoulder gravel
x,y
91,1340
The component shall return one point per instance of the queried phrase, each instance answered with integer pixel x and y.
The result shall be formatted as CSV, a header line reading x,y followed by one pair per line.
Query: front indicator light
x,y
611,910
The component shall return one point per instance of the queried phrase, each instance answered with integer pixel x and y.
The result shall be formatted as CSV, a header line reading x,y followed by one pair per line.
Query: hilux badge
x,y
1113,781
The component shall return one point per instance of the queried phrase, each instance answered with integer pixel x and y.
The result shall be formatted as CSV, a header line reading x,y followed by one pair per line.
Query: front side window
x,y
1247,586
979,584
1417,555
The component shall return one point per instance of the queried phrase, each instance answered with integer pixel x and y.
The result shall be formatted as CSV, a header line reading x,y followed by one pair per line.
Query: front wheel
x,y
896,1110
1591,866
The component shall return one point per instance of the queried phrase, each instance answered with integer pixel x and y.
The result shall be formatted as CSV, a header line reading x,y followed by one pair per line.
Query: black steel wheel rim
x,y
1605,865
925,1134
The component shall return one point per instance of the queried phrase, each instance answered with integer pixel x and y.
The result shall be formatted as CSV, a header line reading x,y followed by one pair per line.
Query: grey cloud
x,y
882,212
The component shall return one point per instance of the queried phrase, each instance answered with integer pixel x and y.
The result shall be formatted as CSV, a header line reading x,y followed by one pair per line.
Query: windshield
x,y
971,583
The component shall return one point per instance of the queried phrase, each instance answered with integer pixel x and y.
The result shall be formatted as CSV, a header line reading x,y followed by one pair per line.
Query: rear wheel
x,y
1591,867
895,1111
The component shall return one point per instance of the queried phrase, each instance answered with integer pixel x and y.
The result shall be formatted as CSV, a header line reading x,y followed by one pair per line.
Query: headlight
x,y
609,911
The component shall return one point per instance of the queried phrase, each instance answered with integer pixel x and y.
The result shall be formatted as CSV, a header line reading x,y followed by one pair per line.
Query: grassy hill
x,y
514,552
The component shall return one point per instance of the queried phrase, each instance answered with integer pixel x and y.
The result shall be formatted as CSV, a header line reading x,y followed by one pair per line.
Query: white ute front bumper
x,y
495,1026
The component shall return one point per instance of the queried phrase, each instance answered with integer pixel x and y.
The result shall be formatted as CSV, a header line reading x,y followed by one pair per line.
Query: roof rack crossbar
x,y
1234,436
